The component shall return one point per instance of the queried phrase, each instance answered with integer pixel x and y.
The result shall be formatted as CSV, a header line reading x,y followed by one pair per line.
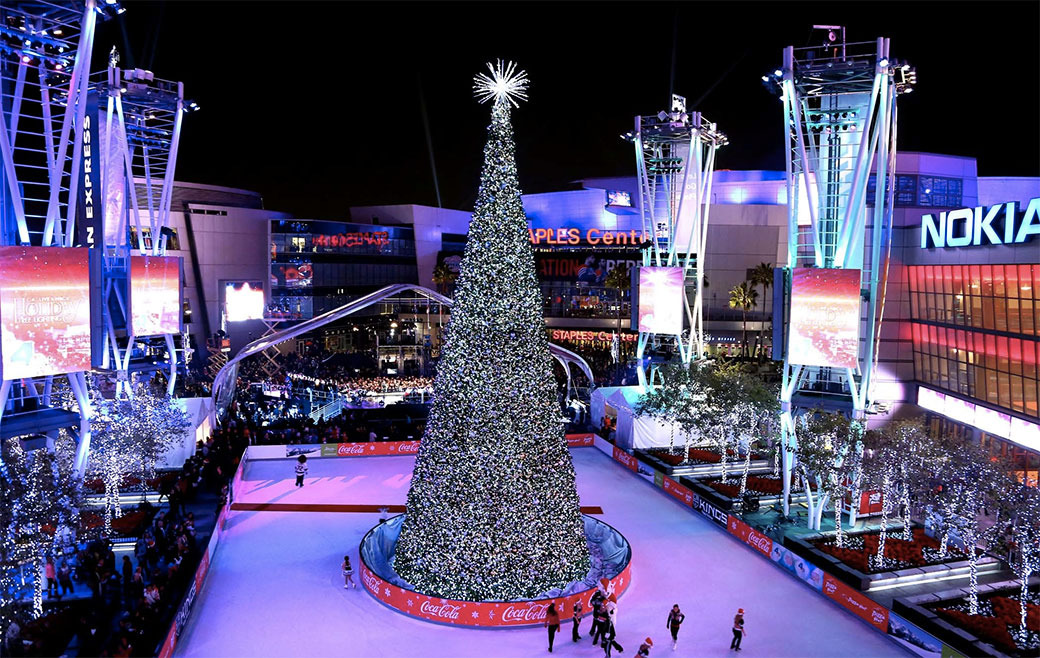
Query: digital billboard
x,y
44,311
825,305
661,300
244,300
155,295
292,275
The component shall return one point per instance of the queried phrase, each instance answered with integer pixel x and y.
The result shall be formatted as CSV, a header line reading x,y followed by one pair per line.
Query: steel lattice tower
x,y
675,159
839,110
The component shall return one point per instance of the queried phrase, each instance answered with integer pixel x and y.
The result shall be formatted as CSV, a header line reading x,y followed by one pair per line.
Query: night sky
x,y
317,105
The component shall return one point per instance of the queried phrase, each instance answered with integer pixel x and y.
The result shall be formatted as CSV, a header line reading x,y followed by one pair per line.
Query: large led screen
x,y
825,305
661,300
244,301
44,311
155,295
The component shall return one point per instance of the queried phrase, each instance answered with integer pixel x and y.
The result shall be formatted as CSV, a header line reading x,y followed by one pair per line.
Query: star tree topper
x,y
505,82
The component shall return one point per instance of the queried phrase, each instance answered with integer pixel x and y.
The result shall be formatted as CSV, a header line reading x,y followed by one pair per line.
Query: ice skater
x,y
609,641
675,619
738,630
600,621
552,622
576,618
644,648
597,600
348,573
301,469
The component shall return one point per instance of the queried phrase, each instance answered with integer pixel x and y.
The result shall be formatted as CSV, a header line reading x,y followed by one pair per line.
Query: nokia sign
x,y
1003,223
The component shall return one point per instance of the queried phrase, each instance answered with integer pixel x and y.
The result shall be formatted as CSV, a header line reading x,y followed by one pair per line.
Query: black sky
x,y
316,105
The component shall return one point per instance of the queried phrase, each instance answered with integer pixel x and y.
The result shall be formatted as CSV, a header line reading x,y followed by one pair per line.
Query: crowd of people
x,y
265,422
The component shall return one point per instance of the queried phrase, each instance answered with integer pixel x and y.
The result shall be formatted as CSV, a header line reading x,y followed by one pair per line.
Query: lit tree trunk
x,y
838,534
37,563
973,566
671,439
884,523
724,457
744,475
907,535
1023,576
776,461
821,505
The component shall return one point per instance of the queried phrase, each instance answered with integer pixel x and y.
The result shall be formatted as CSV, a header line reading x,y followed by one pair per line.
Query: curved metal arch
x,y
224,382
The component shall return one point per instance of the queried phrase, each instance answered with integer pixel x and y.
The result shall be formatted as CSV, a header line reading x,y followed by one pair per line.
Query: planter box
x,y
702,469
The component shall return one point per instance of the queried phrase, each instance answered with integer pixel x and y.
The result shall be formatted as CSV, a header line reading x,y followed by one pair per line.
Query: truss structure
x,y
839,112
675,159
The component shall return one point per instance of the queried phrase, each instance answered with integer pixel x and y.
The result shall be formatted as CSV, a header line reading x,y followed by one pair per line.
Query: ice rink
x,y
274,587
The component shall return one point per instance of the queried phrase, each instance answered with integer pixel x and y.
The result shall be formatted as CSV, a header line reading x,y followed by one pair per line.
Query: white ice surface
x,y
274,587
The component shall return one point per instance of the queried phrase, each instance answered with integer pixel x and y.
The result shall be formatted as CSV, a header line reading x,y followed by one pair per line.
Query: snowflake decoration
x,y
504,82
475,614
491,614
410,603
386,590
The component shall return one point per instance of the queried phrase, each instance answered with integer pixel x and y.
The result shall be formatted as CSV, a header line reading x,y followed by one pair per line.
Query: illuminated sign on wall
x,y
595,336
356,239
824,326
44,311
1005,426
661,300
619,198
974,227
244,301
572,236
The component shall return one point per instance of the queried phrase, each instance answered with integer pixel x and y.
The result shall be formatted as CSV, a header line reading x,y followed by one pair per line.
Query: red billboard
x,y
825,309
44,311
859,604
155,295
661,300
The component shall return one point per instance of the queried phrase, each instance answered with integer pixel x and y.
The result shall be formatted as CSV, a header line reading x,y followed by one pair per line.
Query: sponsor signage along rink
x,y
875,613
481,613
390,448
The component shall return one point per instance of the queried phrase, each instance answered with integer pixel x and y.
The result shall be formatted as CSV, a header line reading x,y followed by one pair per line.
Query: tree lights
x,y
493,513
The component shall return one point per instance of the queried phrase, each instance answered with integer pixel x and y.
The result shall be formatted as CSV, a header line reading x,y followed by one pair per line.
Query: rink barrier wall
x,y
896,627
180,619
367,449
486,614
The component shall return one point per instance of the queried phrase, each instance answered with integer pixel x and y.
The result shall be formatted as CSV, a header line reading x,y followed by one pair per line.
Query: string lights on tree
x,y
493,512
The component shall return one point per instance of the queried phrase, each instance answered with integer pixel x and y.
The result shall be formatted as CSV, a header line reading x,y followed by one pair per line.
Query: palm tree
x,y
744,297
762,275
443,277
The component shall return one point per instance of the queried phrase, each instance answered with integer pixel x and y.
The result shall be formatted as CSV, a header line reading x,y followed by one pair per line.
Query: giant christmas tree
x,y
493,512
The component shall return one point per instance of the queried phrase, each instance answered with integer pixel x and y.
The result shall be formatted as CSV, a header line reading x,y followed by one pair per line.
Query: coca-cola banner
x,y
471,613
750,536
681,493
375,449
874,613
626,460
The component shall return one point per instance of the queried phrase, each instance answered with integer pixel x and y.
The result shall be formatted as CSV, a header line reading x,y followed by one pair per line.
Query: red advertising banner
x,y
870,502
875,613
824,325
200,573
44,311
681,493
170,643
750,536
626,459
581,440
473,613
155,295
375,449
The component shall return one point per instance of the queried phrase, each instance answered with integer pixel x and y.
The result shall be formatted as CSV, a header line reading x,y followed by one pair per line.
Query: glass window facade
x,y
975,332
923,191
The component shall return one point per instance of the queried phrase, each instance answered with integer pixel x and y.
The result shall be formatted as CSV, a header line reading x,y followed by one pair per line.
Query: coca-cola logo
x,y
443,611
531,612
348,449
625,458
761,542
408,447
370,581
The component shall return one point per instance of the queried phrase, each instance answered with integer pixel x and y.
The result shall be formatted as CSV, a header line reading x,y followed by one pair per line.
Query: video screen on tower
x,y
244,300
155,295
825,309
661,300
44,311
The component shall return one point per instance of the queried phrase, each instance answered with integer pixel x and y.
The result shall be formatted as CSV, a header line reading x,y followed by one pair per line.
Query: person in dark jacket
x,y
600,622
552,622
675,619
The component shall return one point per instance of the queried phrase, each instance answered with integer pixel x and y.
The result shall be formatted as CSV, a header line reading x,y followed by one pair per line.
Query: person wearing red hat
x,y
644,648
738,630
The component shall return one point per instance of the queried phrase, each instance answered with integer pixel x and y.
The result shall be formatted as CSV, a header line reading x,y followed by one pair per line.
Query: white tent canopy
x,y
633,431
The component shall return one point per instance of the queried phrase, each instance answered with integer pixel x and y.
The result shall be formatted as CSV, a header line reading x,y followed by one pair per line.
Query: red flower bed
x,y
999,615
904,552
1010,610
97,485
755,484
731,490
702,455
128,525
987,628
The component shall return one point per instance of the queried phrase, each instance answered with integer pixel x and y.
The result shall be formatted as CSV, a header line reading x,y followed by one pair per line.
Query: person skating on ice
x,y
552,622
644,648
609,641
675,619
599,597
348,573
301,469
738,630
576,618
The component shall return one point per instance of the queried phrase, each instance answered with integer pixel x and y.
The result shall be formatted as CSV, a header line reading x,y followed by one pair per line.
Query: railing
x,y
329,410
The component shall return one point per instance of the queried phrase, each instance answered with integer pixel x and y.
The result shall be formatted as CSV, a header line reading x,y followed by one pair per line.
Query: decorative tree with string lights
x,y
1025,535
493,511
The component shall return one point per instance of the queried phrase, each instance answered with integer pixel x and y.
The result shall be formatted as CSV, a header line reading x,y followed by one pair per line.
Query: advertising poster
x,y
292,275
44,311
661,300
155,295
244,301
913,638
857,603
113,179
824,325
579,267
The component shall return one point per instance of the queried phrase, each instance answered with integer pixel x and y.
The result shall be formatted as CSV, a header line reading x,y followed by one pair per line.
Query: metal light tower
x,y
139,126
839,106
45,50
675,158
